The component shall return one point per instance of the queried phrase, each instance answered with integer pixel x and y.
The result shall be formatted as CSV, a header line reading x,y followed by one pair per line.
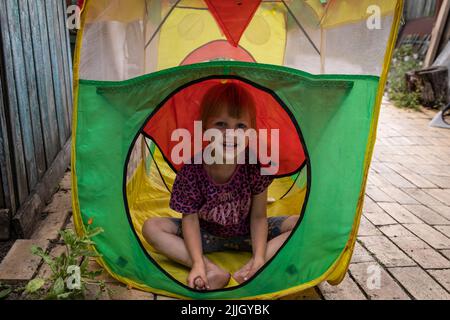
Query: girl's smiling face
x,y
229,108
231,129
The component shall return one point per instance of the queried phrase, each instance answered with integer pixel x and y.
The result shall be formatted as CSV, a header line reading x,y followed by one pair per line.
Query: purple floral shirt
x,y
223,209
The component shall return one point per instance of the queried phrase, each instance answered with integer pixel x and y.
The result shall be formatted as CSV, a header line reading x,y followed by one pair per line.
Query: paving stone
x,y
121,292
159,297
397,180
386,251
443,195
418,180
444,229
426,258
419,284
432,159
442,210
442,276
376,282
56,215
397,167
61,202
360,254
445,253
93,292
20,264
377,180
66,182
366,228
408,161
399,196
377,195
371,206
346,290
116,291
427,215
395,230
399,213
424,169
440,181
105,276
308,294
379,218
430,235
381,167
49,227
423,197
415,248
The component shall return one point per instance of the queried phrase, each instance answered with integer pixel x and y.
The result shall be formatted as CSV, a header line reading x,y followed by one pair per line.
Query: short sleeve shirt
x,y
223,209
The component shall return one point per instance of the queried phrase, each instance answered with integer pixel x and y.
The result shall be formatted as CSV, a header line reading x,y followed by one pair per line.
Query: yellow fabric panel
x,y
187,30
148,197
265,36
339,12
115,10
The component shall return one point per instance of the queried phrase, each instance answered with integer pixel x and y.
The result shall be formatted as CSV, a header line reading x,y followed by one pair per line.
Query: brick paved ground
x,y
403,247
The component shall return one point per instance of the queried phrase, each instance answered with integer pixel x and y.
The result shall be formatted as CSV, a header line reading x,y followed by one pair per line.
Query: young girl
x,y
223,205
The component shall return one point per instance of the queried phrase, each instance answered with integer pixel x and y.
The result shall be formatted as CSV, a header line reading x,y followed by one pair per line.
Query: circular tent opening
x,y
150,171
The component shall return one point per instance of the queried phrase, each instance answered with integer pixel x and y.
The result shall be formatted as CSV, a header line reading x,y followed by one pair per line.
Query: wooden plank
x,y
44,80
31,88
18,61
13,107
70,58
5,224
24,221
48,76
57,67
67,59
2,193
20,264
56,73
60,44
7,195
437,33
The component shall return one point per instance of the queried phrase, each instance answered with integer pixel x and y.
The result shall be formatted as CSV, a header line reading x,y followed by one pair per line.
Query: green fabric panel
x,y
334,113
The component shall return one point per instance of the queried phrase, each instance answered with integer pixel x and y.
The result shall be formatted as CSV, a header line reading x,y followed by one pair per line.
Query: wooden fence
x,y
35,108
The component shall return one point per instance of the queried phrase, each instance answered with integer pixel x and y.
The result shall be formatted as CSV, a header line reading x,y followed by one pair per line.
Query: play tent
x,y
317,69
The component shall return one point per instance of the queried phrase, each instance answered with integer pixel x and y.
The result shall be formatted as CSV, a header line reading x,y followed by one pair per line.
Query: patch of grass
x,y
405,60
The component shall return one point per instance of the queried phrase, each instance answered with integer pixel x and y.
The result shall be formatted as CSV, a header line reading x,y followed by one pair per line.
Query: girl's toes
x,y
239,277
199,284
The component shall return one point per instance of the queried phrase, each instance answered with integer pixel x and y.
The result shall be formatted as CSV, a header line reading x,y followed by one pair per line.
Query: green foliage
x,y
404,61
69,279
5,291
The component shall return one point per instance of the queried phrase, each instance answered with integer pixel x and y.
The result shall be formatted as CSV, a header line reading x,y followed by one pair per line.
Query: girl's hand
x,y
197,277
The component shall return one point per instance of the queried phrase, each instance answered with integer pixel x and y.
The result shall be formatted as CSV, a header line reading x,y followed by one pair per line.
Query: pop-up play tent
x,y
316,70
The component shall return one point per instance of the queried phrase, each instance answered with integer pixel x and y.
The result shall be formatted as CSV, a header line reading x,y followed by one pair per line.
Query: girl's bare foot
x,y
217,278
239,275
